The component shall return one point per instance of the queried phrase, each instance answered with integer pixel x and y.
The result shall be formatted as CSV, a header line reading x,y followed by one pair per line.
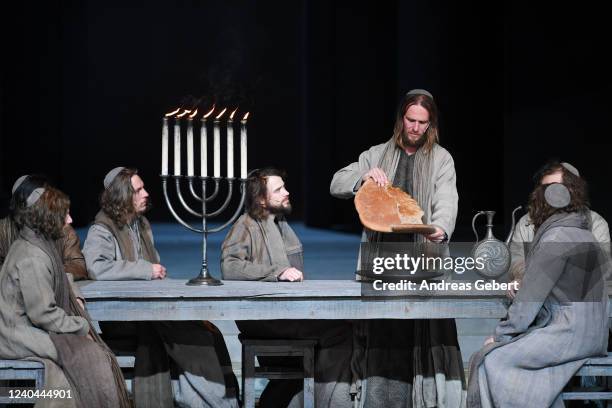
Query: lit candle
x,y
243,146
204,145
217,146
190,144
164,165
177,143
230,145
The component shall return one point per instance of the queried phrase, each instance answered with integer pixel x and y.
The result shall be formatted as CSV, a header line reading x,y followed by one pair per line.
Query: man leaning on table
x,y
120,246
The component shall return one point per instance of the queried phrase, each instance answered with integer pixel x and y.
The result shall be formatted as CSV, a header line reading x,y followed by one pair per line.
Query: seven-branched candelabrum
x,y
204,278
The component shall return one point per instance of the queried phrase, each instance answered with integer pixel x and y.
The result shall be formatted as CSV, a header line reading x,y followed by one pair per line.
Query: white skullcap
x,y
419,92
18,182
110,176
34,196
571,169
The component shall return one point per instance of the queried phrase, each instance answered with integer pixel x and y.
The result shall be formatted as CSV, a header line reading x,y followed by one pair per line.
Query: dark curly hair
x,y
117,200
540,210
47,216
257,190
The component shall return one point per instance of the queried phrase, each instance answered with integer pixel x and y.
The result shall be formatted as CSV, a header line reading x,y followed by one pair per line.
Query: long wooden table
x,y
171,299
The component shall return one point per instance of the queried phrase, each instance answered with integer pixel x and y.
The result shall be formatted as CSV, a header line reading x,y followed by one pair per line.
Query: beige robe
x,y
29,313
260,250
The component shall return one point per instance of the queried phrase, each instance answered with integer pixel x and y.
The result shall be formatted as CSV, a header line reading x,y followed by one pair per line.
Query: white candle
x,y
190,147
230,148
243,147
164,163
203,150
177,147
217,150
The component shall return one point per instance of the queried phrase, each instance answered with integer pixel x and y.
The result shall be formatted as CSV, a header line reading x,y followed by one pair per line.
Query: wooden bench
x,y
596,367
251,348
24,370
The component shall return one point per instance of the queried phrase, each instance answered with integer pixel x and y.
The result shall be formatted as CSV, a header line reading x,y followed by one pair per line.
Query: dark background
x,y
85,84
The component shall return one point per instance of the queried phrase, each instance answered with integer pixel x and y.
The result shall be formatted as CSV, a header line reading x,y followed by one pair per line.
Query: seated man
x,y
559,317
261,246
39,315
119,246
552,172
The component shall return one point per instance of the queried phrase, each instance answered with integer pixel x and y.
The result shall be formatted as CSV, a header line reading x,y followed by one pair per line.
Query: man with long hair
x,y
261,246
68,244
41,318
559,318
120,246
552,172
412,362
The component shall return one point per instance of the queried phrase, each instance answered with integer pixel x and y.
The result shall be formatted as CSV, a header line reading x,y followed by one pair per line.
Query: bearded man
x,y
120,246
409,363
261,246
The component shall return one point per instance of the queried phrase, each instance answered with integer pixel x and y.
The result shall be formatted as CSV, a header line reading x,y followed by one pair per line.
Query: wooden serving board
x,y
424,229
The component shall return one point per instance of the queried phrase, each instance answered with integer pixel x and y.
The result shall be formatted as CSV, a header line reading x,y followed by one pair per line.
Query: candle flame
x,y
195,112
246,116
209,112
183,114
231,117
172,113
220,114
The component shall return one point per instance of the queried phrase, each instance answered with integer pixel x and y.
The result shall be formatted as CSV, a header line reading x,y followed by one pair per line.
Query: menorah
x,y
204,277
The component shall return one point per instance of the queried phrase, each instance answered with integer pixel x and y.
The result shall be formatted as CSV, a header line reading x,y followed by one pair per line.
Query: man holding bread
x,y
431,370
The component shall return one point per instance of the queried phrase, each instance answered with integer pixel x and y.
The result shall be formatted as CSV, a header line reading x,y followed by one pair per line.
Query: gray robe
x,y
195,349
557,321
104,259
523,235
441,209
260,251
68,246
29,313
411,363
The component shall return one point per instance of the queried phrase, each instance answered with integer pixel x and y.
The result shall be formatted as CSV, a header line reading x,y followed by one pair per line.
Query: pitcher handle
x,y
474,224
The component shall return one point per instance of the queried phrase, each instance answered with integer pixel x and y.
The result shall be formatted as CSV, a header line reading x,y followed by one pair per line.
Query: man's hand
x,y
159,271
291,275
511,293
489,340
81,303
438,236
377,175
